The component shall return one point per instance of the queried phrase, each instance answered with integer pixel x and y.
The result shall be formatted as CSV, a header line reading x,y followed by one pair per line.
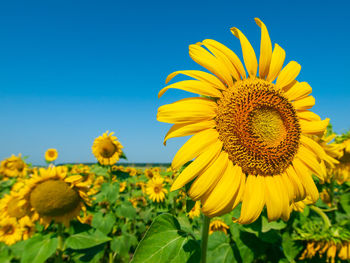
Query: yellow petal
x,y
225,194
249,56
298,91
187,110
203,161
265,50
306,179
273,198
185,129
194,147
277,60
200,75
211,63
305,103
236,62
313,127
194,86
308,159
289,186
209,178
253,199
288,74
299,190
313,146
308,115
284,197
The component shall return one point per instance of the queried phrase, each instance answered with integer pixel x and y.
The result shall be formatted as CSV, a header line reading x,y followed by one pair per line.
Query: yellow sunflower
x,y
13,166
135,201
195,211
341,172
10,231
107,149
218,225
51,155
321,247
52,195
10,206
27,226
344,251
250,140
155,189
122,186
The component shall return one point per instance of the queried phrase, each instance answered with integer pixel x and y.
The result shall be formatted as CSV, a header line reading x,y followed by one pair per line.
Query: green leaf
x,y
166,242
86,240
104,223
246,254
290,247
345,202
126,210
39,248
189,205
219,249
267,226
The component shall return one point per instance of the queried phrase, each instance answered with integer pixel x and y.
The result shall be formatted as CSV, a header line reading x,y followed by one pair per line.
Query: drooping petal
x,y
187,110
299,190
299,91
273,198
313,127
194,147
305,103
288,185
236,62
249,56
208,180
265,50
284,197
195,86
288,74
200,164
309,159
185,129
200,75
277,60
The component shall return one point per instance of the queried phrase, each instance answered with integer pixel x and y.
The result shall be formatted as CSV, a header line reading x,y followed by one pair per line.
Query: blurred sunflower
x,y
10,206
13,166
27,226
155,189
341,172
122,186
135,201
52,195
51,155
250,140
195,211
10,231
344,251
107,149
320,248
218,225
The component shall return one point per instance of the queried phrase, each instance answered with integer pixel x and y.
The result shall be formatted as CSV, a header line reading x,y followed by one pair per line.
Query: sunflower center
x,y
54,198
14,210
157,189
8,229
107,149
258,127
51,154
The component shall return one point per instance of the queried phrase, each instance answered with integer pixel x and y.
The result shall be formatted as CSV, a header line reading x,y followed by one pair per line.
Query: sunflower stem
x,y
327,222
60,242
204,242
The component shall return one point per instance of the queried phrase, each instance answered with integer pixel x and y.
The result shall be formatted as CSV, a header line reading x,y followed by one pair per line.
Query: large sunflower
x,y
250,140
52,195
107,149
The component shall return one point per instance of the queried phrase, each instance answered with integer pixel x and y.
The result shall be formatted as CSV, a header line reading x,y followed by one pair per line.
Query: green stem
x,y
60,243
327,222
110,260
204,243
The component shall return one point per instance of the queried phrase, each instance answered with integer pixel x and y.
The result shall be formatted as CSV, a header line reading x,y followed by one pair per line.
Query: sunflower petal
x,y
308,115
273,198
313,127
277,60
298,91
299,190
305,103
308,159
288,74
265,50
185,129
249,56
194,147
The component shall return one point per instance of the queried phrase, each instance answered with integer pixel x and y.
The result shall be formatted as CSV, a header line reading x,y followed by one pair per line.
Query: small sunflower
x,y
107,149
155,189
321,247
250,139
152,172
195,211
139,200
141,185
341,172
27,226
218,225
122,186
10,206
10,231
13,166
51,155
52,195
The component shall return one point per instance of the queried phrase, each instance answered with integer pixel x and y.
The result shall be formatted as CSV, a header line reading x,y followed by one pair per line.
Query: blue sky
x,y
70,70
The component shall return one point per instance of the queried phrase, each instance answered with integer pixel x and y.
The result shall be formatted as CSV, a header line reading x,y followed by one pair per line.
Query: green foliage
x,y
39,248
86,239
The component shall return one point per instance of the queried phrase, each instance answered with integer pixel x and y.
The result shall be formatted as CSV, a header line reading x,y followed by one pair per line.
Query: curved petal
x,y
309,160
194,147
313,127
313,146
265,50
308,115
249,56
288,186
299,91
200,75
207,181
288,74
187,110
305,103
195,86
273,198
185,129
200,164
277,60
236,62
299,190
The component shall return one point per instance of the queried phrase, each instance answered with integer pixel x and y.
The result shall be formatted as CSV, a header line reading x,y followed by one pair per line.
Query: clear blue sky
x,y
70,70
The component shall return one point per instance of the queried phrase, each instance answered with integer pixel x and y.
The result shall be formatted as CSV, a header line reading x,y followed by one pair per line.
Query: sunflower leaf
x,y
86,240
39,248
219,248
166,242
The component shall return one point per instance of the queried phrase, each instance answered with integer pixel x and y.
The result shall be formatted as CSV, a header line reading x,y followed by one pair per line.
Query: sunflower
x,y
250,140
321,247
195,211
10,206
218,225
13,166
10,231
107,149
155,189
135,201
122,186
344,251
152,172
52,195
27,226
341,172
51,155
